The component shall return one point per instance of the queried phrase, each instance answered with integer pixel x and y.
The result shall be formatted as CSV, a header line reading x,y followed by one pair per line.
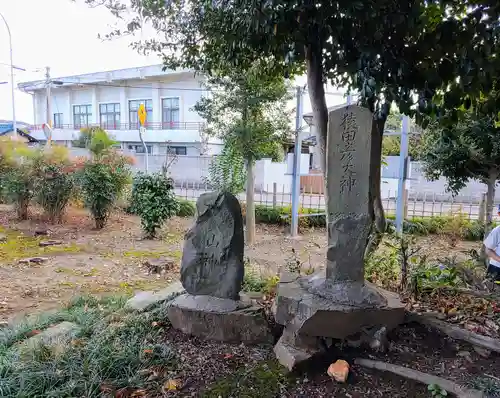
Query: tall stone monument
x,y
212,273
338,303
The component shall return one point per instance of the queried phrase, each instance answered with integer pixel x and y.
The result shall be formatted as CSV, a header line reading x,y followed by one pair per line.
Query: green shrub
x,y
428,277
269,215
54,190
153,199
103,178
20,166
186,208
19,190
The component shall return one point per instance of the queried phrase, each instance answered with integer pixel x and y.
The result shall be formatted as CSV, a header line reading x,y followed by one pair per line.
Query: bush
x,y
104,177
269,215
55,182
54,190
429,277
20,165
153,199
186,208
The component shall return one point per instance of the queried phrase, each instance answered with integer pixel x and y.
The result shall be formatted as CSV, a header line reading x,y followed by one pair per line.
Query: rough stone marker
x,y
212,273
338,303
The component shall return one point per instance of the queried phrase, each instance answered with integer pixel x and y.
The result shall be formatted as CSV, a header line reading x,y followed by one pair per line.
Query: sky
x,y
63,34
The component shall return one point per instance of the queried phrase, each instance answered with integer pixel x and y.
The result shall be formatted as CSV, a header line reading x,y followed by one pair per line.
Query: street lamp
x,y
14,125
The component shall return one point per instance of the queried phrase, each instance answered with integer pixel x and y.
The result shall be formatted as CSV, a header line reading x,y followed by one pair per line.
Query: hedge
x,y
467,229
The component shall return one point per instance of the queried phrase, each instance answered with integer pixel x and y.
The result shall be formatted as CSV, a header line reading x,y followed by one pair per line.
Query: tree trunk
x,y
22,208
375,180
318,101
490,199
250,203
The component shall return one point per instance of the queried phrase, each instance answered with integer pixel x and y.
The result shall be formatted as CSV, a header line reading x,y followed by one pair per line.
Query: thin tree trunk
x,y
375,180
250,203
318,102
317,97
22,208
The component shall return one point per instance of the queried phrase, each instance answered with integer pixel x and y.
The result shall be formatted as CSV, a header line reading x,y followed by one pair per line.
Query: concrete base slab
x,y
145,300
307,314
220,319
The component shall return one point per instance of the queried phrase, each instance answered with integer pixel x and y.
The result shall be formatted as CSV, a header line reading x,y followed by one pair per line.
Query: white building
x,y
111,99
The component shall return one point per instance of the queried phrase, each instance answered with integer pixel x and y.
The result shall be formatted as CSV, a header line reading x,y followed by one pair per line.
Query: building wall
x,y
185,86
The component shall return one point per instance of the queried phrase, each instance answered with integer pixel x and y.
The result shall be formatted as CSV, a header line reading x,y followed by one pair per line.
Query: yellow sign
x,y
141,112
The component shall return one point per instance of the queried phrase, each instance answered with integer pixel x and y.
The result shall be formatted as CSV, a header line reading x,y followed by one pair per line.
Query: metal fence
x,y
418,204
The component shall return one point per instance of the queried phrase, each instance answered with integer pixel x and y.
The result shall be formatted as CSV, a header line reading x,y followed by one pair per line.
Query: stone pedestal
x,y
220,319
308,315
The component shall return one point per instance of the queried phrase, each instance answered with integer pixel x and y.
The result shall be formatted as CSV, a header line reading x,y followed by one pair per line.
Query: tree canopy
x,y
248,112
428,57
469,150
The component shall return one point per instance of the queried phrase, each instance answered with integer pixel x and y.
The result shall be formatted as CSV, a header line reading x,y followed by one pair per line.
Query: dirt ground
x,y
111,260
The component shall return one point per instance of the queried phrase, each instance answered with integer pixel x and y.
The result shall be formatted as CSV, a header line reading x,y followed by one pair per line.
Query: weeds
x,y
382,267
255,281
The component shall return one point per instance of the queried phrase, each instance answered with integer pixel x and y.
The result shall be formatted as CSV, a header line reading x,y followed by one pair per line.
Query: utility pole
x,y
296,165
14,124
48,96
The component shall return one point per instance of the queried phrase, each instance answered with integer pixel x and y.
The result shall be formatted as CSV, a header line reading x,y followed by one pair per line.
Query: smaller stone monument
x,y
212,273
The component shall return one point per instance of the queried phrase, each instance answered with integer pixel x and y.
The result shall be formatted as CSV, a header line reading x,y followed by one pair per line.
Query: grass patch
x,y
173,238
123,288
266,380
19,246
115,350
145,254
71,271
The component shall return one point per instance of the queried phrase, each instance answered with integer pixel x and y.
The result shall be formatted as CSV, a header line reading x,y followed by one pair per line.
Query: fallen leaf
x,y
148,351
172,385
228,356
33,333
138,393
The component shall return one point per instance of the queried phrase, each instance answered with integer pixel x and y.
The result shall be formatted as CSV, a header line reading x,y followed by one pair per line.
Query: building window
x,y
82,116
58,117
170,113
109,115
177,150
133,107
140,148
